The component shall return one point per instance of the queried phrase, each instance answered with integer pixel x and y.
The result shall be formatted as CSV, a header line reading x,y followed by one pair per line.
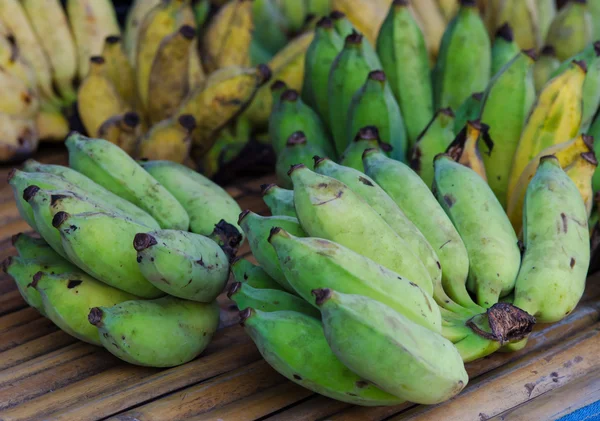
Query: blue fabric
x,y
587,413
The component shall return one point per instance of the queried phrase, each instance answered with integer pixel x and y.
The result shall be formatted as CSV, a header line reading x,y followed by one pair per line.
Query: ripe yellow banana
x,y
522,16
17,98
366,15
449,8
572,29
465,149
169,140
581,172
133,25
119,70
52,125
18,137
196,75
432,22
122,130
12,62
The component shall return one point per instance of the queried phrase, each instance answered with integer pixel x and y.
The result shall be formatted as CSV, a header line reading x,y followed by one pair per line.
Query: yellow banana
x,y
18,137
52,125
448,8
366,15
571,30
522,16
226,41
17,98
169,140
432,22
465,148
196,75
123,130
581,172
98,99
119,70
13,63
133,24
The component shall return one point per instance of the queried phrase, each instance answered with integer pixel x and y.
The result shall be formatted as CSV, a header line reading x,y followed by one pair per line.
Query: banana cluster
x,y
130,256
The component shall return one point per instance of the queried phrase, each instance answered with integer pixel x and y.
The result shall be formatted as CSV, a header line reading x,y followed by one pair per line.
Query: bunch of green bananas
x,y
132,256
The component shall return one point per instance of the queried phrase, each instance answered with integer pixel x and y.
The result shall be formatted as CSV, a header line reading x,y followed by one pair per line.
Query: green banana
x,y
205,201
279,200
594,8
298,150
345,27
403,52
507,103
469,110
594,131
257,229
164,332
484,227
504,48
112,168
187,265
464,61
295,346
344,270
32,248
389,350
435,139
67,298
366,138
246,296
328,209
270,26
546,11
572,29
591,88
250,274
99,243
544,67
374,105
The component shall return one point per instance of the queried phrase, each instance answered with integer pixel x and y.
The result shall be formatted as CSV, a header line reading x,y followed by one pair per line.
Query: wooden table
x,y
47,374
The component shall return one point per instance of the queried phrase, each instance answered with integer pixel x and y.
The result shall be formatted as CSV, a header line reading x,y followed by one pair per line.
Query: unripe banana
x,y
466,149
279,200
298,150
522,15
546,11
33,248
593,131
271,28
257,229
246,296
469,110
420,366
557,253
123,130
255,276
464,62
205,201
164,332
404,57
19,138
435,139
544,67
111,167
431,21
594,9
504,48
328,209
68,296
169,140
591,86
294,344
344,27
366,138
572,29
581,172
133,25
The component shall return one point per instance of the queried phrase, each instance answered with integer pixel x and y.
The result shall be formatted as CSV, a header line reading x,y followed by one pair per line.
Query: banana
x,y
594,131
255,276
594,9
430,19
417,202
435,139
18,138
51,26
120,71
123,130
555,118
13,62
67,298
546,11
469,110
246,296
187,265
97,97
366,138
345,27
483,226
18,100
294,12
366,15
164,332
169,140
364,334
403,54
91,22
33,248
504,48
449,8
591,87
328,209
298,150
581,172
51,125
295,346
557,252
111,167
464,62
292,115
206,202
279,200
465,148
544,67
321,53
271,28
348,73
374,105
507,103
133,24
522,16
257,229
572,29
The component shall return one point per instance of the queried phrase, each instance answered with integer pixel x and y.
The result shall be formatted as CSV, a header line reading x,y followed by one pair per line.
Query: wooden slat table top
x,y
46,374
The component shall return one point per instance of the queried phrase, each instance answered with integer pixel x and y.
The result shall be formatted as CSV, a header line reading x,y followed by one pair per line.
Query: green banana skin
x,y
594,131
403,52
571,29
374,105
473,347
340,268
344,28
298,150
435,139
85,185
295,346
544,67
32,248
205,202
279,200
184,264
506,105
250,274
386,348
469,110
366,138
464,60
321,53
348,73
258,53
328,209
270,26
504,48
557,253
164,332
246,296
112,168
484,227
257,229
417,202
99,243
67,298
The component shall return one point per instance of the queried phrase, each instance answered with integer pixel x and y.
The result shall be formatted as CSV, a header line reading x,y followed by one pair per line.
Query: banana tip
x,y
325,23
505,32
36,278
549,158
278,85
30,192
548,50
400,3
531,53
581,64
321,295
131,119
233,289
296,138
188,32
245,315
367,133
15,238
11,174
377,75
59,219
355,38
95,316
590,157
112,39
318,160
265,73
265,188
369,151
6,264
274,231
142,241
295,167
290,95
588,140
243,215
468,3
187,121
97,59
337,14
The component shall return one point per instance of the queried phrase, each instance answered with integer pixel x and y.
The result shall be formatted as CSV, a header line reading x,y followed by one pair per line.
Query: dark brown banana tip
x,y
369,151
443,155
321,295
55,198
505,32
36,278
309,17
187,121
15,238
590,157
95,316
378,75
265,188
290,95
296,138
97,59
318,160
265,74
582,64
336,14
273,232
468,3
400,3
59,219
6,264
367,133
187,32
11,174
243,215
142,241
386,147
548,50
131,119
476,124
30,192
580,1
448,111
597,48
112,39
588,140
278,84
531,53
296,167
325,22
548,158
245,315
235,287
355,38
